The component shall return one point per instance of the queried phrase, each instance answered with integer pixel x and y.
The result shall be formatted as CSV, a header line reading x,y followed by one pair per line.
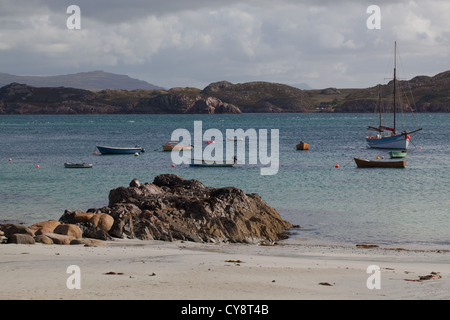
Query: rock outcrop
x,y
212,105
172,208
46,232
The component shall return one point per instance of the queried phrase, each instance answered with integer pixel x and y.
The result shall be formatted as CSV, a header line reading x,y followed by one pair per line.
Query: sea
x,y
320,189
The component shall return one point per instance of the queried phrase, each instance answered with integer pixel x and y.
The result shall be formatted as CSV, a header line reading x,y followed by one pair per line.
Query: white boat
x,y
379,141
387,137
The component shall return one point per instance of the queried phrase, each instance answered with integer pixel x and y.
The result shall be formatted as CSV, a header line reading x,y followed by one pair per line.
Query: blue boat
x,y
116,150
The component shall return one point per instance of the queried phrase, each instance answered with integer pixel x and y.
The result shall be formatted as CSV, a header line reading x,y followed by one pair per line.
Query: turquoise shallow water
x,y
345,204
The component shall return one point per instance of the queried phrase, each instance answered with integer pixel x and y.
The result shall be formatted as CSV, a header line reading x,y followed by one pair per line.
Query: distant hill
x,y
423,93
93,80
431,94
260,96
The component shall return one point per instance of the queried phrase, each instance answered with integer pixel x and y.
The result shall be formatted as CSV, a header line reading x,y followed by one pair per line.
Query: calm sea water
x,y
385,206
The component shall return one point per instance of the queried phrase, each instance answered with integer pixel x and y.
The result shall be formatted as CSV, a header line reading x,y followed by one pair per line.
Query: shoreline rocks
x,y
170,208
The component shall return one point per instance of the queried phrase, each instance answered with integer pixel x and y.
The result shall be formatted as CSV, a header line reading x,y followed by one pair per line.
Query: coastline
x,y
180,270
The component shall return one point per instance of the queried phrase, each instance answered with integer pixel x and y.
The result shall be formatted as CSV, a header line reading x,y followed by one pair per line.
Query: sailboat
x,y
388,137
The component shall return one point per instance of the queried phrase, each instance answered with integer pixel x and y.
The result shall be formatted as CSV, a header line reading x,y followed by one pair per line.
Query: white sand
x,y
185,270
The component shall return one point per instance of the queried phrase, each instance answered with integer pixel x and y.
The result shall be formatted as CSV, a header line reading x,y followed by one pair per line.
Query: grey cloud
x,y
182,43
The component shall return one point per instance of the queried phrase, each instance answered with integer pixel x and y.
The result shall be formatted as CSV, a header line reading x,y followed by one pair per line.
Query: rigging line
x,y
347,163
409,104
412,143
410,92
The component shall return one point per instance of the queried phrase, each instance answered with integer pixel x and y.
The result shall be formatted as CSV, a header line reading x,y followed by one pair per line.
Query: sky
x,y
192,43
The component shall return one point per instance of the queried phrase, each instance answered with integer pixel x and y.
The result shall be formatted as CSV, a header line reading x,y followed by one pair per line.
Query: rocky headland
x,y
431,94
170,208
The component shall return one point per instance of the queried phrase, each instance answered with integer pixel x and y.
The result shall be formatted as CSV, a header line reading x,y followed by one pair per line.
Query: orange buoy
x,y
336,166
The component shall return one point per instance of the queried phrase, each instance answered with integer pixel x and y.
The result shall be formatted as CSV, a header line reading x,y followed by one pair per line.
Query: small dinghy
x,y
77,165
117,150
364,163
397,154
302,146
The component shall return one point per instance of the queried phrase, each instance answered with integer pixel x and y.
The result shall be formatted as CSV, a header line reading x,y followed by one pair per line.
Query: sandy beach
x,y
133,269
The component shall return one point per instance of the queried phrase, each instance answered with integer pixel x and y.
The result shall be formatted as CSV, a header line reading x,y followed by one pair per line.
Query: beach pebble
x,y
21,238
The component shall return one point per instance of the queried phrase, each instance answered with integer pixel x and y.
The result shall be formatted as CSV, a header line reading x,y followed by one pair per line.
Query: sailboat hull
x,y
393,142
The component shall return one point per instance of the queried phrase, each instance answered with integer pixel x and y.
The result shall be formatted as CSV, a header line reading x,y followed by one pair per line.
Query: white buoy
x,y
136,154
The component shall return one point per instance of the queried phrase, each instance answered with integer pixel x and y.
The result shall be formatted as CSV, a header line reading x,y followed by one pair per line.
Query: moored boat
x,y
397,154
77,165
175,146
393,141
118,150
213,163
302,146
364,163
387,137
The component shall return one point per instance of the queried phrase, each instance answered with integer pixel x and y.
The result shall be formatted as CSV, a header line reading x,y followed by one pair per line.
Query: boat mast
x,y
379,106
395,79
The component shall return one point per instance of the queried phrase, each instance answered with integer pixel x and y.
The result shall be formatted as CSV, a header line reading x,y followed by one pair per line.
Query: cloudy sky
x,y
174,43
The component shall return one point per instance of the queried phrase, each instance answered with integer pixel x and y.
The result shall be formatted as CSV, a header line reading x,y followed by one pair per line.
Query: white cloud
x,y
176,43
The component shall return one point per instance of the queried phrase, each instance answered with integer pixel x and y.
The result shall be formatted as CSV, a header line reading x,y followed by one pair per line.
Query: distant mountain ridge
x,y
431,94
92,80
